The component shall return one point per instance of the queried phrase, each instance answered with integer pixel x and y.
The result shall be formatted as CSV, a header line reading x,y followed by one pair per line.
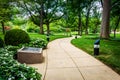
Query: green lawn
x,y
52,37
36,35
109,50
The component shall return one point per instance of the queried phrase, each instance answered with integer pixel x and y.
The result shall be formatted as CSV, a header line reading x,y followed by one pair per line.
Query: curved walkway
x,y
63,61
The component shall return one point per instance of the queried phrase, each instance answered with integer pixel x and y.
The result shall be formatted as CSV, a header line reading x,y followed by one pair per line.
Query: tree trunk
x,y
117,23
41,19
114,33
87,19
3,29
79,25
104,33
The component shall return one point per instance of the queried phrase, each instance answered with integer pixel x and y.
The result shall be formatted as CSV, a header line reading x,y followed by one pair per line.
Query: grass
x,y
109,50
52,37
36,35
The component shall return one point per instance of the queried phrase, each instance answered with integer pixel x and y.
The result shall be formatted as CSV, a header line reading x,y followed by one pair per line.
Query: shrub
x,y
1,42
16,36
37,30
33,29
30,30
39,43
10,69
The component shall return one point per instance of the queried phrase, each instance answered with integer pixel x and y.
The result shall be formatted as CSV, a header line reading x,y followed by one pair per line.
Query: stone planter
x,y
30,55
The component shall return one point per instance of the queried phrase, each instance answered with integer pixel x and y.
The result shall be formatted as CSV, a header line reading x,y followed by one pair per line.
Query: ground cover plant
x,y
109,49
36,42
11,69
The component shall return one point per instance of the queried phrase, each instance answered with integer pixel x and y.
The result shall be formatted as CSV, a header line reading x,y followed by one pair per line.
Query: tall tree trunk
x,y
79,25
3,29
104,33
117,23
41,19
87,19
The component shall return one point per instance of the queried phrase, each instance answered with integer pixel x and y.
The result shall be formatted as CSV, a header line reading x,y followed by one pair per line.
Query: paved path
x,y
63,61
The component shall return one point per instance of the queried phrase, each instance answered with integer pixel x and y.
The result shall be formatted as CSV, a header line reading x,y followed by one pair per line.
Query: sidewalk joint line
x,y
72,60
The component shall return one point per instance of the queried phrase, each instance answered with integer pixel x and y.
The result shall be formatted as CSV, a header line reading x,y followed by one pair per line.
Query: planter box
x,y
30,55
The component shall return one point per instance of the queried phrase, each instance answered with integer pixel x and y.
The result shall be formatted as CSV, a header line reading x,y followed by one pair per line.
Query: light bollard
x,y
76,36
48,37
96,47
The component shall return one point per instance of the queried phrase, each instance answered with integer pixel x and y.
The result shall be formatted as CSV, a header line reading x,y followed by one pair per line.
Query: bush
x,y
10,69
38,43
1,42
37,30
30,30
33,29
16,36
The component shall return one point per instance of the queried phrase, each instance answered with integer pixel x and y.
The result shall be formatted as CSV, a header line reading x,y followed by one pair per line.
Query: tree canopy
x,y
5,12
84,15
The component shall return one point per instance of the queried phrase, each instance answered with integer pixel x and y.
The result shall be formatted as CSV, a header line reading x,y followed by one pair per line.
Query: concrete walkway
x,y
63,61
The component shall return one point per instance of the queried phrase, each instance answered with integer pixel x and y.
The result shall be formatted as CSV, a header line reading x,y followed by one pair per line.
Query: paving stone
x,y
99,73
63,74
87,61
60,63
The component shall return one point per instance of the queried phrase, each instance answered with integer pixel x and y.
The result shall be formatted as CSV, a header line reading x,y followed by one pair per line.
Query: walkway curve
x,y
63,61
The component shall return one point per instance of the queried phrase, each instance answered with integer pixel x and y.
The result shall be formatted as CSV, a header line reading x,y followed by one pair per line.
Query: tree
x,y
69,17
114,24
88,8
42,12
41,17
52,12
32,9
108,6
5,13
104,33
95,17
115,14
77,6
